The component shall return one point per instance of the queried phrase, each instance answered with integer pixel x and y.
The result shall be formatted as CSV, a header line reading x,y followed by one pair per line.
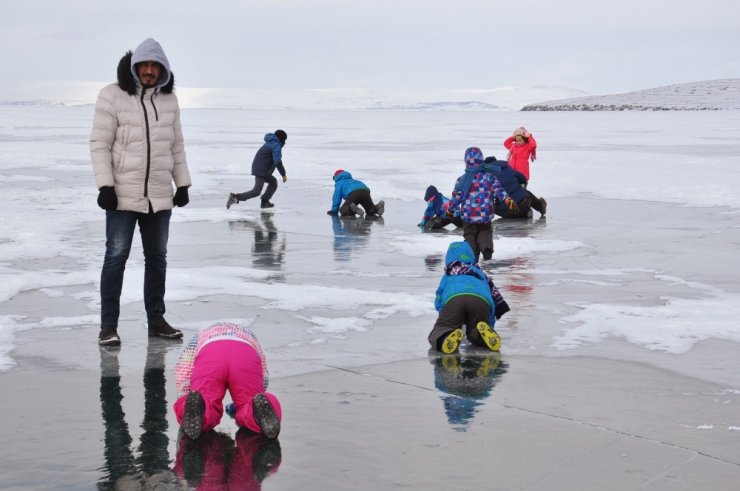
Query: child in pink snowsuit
x,y
219,357
522,148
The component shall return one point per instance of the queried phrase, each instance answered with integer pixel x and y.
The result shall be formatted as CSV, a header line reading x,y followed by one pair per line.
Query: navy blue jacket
x,y
268,157
511,180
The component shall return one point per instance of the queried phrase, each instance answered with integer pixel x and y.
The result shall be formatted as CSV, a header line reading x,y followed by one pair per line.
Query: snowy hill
x,y
708,95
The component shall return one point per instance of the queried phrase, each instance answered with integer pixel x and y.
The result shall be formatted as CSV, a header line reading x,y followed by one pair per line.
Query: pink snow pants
x,y
232,365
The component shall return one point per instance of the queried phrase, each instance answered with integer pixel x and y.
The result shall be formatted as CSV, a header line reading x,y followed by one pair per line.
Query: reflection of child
x,y
216,358
475,192
435,215
466,296
522,148
354,193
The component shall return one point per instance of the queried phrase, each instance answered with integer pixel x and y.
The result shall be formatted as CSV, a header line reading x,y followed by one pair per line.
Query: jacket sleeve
x,y
277,158
336,200
457,197
509,142
428,213
103,133
498,191
184,367
440,293
180,172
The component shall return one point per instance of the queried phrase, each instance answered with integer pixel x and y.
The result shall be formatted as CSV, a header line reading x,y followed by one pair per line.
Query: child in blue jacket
x,y
466,297
435,216
354,193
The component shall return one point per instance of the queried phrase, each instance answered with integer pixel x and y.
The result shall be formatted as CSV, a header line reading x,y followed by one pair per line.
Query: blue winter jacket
x,y
268,157
511,180
343,186
434,209
474,283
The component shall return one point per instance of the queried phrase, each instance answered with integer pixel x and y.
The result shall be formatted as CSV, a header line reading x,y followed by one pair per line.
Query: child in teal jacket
x,y
466,297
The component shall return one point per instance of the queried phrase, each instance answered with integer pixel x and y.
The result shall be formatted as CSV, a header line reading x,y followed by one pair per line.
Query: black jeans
x,y
119,233
359,197
259,183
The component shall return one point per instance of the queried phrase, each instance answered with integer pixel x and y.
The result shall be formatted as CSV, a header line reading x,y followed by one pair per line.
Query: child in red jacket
x,y
522,149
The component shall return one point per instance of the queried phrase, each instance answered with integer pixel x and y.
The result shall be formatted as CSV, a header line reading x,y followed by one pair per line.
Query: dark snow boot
x,y
266,204
265,416
192,420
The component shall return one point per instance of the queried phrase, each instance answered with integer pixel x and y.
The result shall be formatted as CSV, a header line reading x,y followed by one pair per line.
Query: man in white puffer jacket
x,y
137,152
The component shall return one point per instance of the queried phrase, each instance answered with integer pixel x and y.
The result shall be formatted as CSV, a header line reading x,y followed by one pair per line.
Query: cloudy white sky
x,y
604,46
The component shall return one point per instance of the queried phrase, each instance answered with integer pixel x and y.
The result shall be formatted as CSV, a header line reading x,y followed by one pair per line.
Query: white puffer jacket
x,y
136,143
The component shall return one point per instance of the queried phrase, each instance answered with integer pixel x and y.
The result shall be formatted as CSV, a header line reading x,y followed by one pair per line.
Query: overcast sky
x,y
600,46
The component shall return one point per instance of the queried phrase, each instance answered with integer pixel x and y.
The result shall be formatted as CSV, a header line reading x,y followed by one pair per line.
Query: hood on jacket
x,y
148,50
272,138
431,193
473,157
459,251
342,175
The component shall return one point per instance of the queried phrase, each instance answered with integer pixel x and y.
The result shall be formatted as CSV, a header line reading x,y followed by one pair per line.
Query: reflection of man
x,y
267,252
468,380
152,464
137,152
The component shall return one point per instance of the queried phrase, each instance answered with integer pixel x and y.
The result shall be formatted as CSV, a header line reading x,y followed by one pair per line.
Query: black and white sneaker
x,y
233,200
161,329
109,337
265,416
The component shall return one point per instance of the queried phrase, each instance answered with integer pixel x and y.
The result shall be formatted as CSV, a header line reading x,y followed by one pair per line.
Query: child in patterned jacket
x,y
218,357
475,191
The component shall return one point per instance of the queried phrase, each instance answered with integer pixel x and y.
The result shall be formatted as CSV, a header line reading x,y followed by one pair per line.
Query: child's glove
x,y
230,409
513,207
285,178
332,212
450,213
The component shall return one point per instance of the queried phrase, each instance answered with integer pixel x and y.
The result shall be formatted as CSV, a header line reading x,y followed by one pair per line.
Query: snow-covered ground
x,y
348,285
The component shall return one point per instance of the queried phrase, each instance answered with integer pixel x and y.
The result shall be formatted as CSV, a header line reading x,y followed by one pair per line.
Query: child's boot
x,y
192,420
265,416
233,200
452,341
380,208
489,336
356,210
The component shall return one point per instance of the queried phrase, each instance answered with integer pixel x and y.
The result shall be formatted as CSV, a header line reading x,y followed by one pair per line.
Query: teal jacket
x,y
343,186
463,277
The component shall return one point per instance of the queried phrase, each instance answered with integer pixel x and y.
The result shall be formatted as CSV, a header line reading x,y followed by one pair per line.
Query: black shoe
x,y
544,206
192,420
487,253
233,200
380,208
161,329
266,204
109,337
265,416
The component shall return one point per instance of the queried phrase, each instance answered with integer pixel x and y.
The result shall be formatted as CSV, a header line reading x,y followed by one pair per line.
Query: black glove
x,y
332,213
181,197
107,198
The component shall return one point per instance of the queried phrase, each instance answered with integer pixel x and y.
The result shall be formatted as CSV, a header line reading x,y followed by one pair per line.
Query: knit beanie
x,y
281,135
337,172
473,156
431,192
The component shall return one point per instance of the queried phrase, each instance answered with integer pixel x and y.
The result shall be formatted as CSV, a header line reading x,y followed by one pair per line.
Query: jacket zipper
x,y
148,145
151,99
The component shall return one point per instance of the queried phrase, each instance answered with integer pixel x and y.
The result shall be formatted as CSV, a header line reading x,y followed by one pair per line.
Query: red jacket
x,y
520,154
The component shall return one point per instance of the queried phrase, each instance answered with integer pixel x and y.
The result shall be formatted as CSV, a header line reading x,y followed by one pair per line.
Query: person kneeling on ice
x,y
218,357
466,297
515,184
435,215
354,193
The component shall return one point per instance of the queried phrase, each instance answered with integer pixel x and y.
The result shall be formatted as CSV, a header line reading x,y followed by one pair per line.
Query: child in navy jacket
x,y
435,216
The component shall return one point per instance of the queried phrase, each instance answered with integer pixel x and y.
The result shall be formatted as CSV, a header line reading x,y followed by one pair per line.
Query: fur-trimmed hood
x,y
149,50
